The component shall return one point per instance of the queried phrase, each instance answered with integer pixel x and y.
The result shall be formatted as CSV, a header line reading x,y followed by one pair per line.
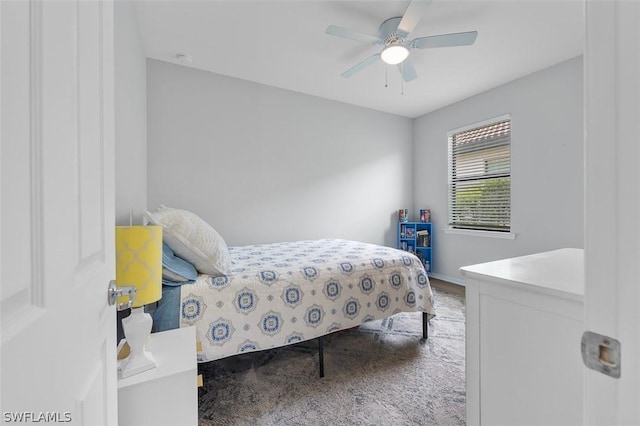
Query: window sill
x,y
476,233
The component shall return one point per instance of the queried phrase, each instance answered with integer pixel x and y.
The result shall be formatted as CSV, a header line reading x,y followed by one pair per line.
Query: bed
x,y
278,294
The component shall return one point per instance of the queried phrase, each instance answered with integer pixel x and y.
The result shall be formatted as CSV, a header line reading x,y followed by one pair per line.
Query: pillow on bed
x,y
173,279
176,271
193,239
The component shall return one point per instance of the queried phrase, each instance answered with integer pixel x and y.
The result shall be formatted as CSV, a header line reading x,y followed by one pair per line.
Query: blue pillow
x,y
166,316
176,271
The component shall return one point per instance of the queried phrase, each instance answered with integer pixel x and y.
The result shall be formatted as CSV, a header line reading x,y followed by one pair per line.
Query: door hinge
x,y
601,353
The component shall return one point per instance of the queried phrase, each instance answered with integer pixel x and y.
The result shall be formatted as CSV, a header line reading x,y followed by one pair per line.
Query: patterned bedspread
x,y
284,293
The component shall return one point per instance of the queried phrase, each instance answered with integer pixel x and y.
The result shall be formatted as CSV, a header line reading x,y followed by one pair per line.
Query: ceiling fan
x,y
393,34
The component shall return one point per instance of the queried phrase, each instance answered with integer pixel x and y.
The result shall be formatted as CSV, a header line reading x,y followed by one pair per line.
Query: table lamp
x,y
139,264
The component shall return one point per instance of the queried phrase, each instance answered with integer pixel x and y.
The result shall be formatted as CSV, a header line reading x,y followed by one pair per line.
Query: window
x,y
480,177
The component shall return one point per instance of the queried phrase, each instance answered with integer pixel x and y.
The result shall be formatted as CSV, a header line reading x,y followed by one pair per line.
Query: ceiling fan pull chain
x,y
402,78
385,76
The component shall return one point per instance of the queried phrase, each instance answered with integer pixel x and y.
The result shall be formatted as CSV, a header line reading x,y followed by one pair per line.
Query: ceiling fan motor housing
x,y
393,39
389,32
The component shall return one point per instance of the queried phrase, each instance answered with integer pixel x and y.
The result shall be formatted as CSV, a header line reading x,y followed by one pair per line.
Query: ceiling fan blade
x,y
352,35
360,66
412,15
445,40
407,70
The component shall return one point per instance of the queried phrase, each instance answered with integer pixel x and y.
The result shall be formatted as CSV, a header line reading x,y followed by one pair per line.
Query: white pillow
x,y
193,239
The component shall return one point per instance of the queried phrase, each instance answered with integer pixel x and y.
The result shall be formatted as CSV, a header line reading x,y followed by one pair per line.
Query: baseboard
x,y
453,280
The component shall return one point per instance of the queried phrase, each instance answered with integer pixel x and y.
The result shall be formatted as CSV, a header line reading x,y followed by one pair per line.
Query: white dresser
x,y
524,325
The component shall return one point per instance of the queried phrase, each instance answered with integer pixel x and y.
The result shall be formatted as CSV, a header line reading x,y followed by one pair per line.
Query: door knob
x,y
115,292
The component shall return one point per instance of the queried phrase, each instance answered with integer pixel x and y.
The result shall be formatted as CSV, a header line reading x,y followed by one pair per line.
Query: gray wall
x,y
546,162
262,164
130,115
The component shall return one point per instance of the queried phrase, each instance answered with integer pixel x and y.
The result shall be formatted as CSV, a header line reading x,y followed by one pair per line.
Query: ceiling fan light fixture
x,y
394,53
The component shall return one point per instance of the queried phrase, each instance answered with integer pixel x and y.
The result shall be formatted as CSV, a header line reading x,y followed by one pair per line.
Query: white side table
x,y
168,393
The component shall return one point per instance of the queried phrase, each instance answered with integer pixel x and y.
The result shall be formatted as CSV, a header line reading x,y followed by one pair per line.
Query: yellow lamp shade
x,y
139,262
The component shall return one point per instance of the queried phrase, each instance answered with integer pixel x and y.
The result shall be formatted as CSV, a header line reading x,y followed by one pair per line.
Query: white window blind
x,y
480,177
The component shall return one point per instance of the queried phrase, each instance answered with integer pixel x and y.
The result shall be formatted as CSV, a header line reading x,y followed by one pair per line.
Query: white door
x,y
57,212
612,204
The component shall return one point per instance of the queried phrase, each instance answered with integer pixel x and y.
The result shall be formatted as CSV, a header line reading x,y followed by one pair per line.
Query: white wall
x,y
547,182
262,164
130,115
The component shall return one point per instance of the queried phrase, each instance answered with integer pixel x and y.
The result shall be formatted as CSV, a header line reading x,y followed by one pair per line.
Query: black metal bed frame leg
x,y
321,355
425,325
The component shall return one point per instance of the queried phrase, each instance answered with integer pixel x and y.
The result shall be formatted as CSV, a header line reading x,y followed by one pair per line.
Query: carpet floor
x,y
381,373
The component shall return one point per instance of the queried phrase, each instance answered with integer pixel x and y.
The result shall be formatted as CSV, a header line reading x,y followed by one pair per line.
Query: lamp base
x,y
137,328
133,365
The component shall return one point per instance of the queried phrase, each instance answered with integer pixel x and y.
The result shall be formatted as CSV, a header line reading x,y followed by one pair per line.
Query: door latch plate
x,y
601,353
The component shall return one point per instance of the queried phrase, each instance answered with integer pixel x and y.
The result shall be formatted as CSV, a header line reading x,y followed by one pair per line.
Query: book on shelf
x,y
422,239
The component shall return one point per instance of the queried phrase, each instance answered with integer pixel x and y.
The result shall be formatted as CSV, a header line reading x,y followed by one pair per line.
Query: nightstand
x,y
168,393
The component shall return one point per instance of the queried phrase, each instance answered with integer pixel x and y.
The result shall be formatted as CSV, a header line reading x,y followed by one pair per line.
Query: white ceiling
x,y
284,44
